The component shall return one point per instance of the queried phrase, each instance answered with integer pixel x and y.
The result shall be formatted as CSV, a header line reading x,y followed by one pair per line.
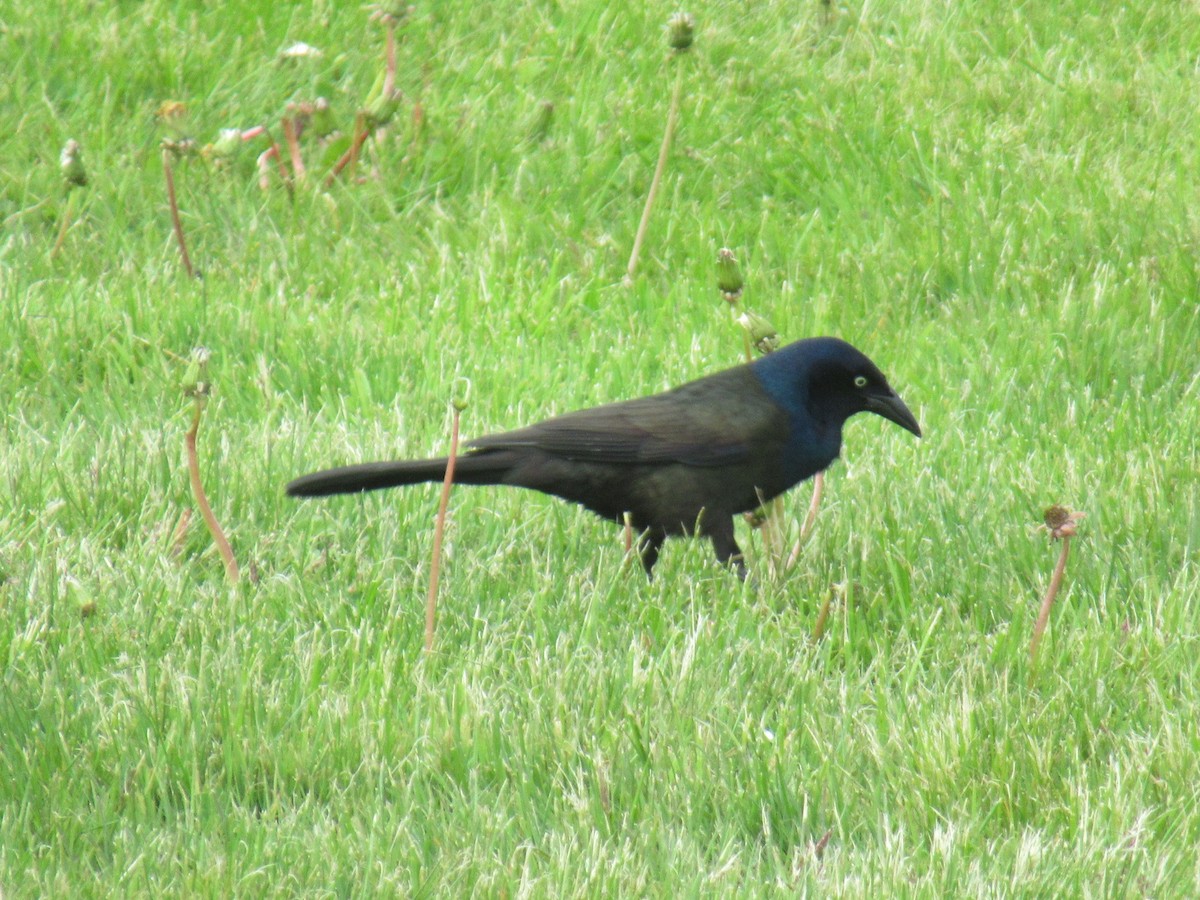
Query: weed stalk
x,y
681,27
439,528
198,388
1061,524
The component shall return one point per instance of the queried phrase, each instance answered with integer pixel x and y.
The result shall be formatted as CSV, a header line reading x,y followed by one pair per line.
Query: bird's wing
x,y
704,423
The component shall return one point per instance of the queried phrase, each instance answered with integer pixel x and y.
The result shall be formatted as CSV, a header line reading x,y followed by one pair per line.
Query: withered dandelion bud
x,y
381,108
682,31
729,276
1061,522
71,163
226,146
762,333
391,13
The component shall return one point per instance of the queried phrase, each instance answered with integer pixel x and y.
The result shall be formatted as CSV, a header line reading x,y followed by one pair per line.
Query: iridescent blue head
x,y
820,383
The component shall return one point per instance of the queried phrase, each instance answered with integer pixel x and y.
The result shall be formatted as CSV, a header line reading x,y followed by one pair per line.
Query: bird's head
x,y
831,381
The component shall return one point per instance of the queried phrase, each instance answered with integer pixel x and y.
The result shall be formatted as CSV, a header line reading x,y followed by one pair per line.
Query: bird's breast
x,y
811,447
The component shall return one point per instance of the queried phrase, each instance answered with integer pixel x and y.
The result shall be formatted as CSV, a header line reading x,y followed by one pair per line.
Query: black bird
x,y
681,462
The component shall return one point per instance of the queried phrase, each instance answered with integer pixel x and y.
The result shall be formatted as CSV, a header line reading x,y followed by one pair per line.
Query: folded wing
x,y
663,428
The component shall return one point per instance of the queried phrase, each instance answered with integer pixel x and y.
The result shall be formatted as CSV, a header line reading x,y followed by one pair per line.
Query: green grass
x,y
995,201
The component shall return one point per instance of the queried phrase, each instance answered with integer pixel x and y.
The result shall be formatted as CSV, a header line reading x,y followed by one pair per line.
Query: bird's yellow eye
x,y
860,381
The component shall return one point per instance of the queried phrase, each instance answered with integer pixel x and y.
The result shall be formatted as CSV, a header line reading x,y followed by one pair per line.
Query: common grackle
x,y
680,462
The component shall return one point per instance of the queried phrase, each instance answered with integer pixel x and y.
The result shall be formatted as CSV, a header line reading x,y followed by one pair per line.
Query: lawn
x,y
997,202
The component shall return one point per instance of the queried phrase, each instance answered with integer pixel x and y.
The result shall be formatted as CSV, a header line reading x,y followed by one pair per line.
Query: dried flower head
x,y
382,107
391,13
762,333
195,379
179,147
682,30
173,116
729,276
300,112
462,394
71,163
1061,522
226,146
171,110
756,518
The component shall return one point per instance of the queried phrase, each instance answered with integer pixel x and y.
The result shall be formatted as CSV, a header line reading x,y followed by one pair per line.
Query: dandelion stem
x,y
823,615
1043,618
292,137
810,520
176,223
663,151
439,528
214,527
361,133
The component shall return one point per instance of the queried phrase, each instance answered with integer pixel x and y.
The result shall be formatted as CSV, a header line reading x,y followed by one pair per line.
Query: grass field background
x,y
997,202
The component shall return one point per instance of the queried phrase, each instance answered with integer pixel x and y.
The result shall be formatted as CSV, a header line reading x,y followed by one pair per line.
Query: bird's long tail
x,y
483,468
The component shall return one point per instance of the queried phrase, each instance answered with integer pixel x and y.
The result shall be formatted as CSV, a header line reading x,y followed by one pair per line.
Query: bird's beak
x,y
892,408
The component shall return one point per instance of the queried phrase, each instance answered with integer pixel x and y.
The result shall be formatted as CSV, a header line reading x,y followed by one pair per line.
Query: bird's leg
x,y
648,545
719,529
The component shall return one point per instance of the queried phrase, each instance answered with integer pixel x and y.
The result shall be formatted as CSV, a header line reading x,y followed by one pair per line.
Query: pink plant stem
x,y
823,616
264,167
810,520
175,221
293,144
349,157
439,527
1051,592
277,155
214,527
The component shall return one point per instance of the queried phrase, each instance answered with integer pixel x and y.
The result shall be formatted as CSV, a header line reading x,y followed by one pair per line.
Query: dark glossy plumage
x,y
682,461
